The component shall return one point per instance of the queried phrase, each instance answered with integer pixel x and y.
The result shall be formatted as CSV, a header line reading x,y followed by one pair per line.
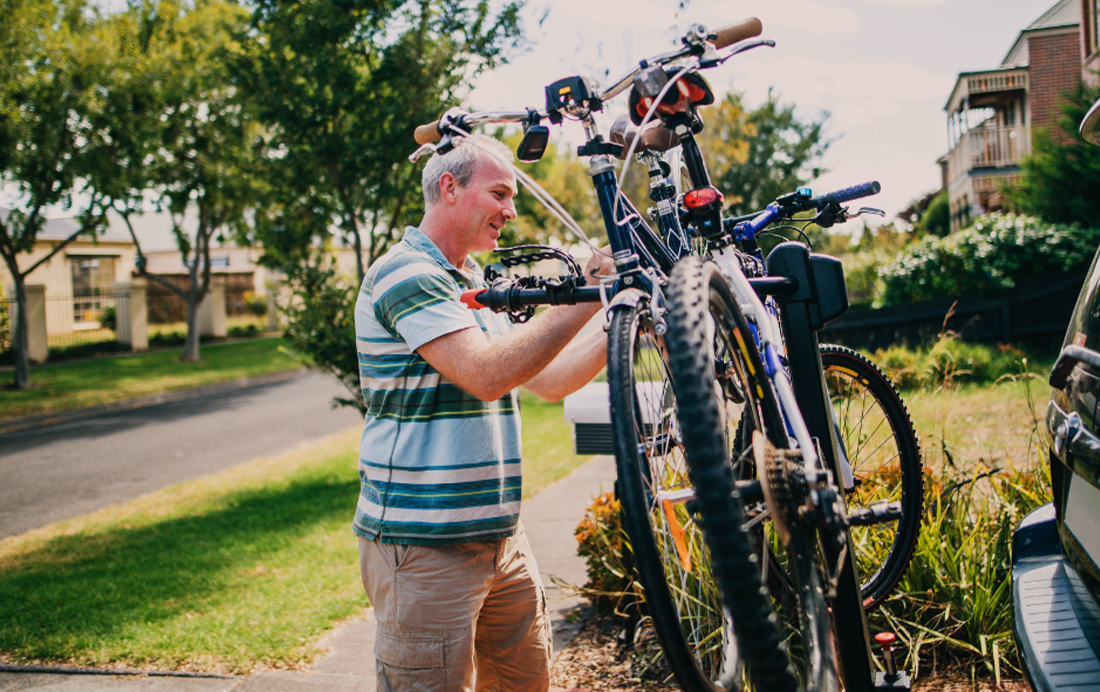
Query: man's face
x,y
486,204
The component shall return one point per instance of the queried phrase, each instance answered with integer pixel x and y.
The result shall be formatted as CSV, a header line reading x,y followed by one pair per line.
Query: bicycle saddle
x,y
654,137
690,90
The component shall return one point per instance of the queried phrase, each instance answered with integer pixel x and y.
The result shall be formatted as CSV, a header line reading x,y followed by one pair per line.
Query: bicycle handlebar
x,y
729,35
849,193
723,37
506,296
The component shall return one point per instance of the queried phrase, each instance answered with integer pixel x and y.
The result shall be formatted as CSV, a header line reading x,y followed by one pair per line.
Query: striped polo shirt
x,y
436,464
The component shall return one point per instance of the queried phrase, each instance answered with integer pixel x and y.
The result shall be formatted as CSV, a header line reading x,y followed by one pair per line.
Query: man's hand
x,y
600,264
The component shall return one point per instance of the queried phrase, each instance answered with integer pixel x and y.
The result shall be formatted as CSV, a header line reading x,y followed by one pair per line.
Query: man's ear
x,y
448,186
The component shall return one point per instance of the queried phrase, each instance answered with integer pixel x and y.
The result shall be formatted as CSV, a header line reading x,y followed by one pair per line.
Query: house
x,y
993,115
79,280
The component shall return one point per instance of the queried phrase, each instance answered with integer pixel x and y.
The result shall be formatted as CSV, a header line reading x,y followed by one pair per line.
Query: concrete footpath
x,y
550,518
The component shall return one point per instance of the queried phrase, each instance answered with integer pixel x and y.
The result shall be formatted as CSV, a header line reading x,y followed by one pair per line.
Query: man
x,y
444,559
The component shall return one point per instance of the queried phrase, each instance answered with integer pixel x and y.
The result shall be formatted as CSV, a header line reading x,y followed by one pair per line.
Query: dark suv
x,y
1056,549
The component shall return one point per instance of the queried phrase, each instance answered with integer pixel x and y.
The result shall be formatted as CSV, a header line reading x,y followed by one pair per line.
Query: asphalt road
x,y
69,469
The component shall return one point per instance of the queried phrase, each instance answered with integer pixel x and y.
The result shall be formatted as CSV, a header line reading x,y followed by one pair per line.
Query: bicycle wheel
x,y
718,377
877,435
671,564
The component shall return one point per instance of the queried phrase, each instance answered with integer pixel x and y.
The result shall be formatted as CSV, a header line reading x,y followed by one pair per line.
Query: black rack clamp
x,y
535,138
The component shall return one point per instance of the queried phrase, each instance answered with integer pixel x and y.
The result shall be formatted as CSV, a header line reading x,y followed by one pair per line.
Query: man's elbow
x,y
488,392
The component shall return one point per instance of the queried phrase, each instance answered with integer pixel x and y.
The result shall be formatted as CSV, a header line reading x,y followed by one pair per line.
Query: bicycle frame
x,y
800,385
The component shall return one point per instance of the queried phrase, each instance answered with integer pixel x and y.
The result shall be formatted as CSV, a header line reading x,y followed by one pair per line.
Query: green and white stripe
x,y
437,464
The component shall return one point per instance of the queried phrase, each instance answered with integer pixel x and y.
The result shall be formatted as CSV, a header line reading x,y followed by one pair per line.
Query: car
x,y
1056,548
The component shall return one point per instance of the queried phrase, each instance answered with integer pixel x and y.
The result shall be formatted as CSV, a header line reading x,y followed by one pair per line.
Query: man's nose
x,y
510,211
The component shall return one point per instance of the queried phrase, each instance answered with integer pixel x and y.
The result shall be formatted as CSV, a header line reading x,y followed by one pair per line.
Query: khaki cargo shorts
x,y
450,614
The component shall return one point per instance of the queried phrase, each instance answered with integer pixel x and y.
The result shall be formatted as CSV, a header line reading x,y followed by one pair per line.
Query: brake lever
x,y
741,48
862,211
424,150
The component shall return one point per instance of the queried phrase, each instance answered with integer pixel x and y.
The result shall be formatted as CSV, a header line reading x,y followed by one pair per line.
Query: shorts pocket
x,y
412,652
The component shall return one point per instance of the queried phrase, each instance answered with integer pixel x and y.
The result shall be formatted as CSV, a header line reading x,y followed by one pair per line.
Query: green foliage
x,y
947,362
255,304
994,254
340,152
953,607
936,219
1059,179
56,59
600,541
108,319
755,156
321,325
565,177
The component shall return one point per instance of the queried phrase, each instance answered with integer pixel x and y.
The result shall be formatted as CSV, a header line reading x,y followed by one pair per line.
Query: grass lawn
x,y
106,380
991,424
236,572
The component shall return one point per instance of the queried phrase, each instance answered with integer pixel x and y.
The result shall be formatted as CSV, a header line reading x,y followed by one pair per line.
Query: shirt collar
x,y
472,278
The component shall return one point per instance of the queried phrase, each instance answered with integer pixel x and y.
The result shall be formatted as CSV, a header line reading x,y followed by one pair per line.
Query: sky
x,y
882,69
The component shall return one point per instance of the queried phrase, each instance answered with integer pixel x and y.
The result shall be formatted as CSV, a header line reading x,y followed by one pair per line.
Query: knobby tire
x,y
680,595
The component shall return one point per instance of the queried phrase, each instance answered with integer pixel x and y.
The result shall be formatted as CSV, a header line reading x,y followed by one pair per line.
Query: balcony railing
x,y
988,147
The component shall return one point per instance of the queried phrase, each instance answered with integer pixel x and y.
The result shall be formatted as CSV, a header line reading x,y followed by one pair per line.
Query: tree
x,y
341,86
190,142
929,214
1059,180
755,156
54,65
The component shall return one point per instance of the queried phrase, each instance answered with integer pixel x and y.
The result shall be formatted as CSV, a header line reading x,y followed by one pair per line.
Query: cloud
x,y
855,92
809,17
622,14
907,3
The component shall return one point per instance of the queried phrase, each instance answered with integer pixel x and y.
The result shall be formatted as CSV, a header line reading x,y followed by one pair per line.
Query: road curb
x,y
48,419
70,670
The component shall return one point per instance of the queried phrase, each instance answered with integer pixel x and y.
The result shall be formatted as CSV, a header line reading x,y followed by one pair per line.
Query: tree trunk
x,y
191,343
194,300
19,341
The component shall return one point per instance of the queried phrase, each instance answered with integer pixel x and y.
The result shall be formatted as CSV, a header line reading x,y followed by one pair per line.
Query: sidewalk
x,y
550,518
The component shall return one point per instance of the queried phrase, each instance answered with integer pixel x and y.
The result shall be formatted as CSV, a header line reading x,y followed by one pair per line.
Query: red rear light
x,y
702,197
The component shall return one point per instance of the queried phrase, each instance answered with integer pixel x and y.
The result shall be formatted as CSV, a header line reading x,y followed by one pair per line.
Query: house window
x,y
93,279
1094,25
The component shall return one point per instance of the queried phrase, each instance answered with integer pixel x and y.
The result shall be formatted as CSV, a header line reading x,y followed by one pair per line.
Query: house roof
x,y
60,229
1064,15
154,229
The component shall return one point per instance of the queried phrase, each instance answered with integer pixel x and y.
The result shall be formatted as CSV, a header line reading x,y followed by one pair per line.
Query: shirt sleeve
x,y
419,302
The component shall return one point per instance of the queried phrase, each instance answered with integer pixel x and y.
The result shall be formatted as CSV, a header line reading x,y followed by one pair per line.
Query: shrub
x,y
254,304
108,318
953,608
248,330
993,255
600,543
947,362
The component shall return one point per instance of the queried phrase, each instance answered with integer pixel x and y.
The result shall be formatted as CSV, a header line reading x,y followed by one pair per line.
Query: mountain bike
x,y
697,633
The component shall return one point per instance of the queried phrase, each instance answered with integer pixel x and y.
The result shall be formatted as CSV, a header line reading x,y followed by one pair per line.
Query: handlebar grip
x,y
470,298
853,192
426,134
729,35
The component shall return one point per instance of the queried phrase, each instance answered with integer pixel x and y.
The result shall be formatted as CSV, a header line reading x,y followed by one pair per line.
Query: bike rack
x,y
820,297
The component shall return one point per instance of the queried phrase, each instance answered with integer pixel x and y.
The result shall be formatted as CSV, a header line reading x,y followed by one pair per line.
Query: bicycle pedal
x,y
880,513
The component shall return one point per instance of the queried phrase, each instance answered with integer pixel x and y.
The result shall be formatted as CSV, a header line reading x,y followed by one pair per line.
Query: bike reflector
x,y
469,298
702,197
